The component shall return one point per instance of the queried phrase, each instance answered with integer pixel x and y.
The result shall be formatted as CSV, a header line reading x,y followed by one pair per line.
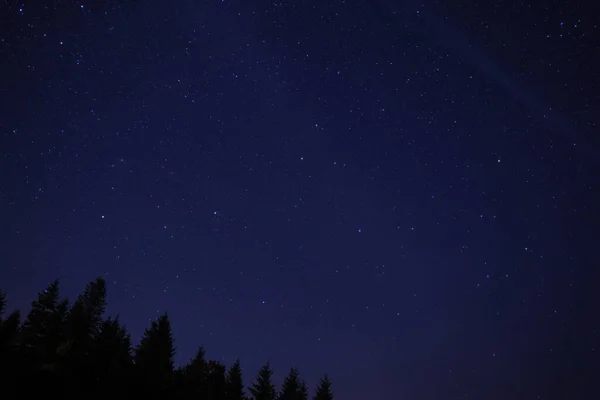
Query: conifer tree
x,y
84,322
303,394
235,383
85,317
193,377
114,345
154,356
263,388
324,390
43,329
41,337
216,380
9,328
197,367
74,353
112,355
290,390
9,356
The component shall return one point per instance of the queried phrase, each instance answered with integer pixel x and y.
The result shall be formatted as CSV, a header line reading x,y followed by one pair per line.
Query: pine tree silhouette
x,y
154,358
43,329
263,389
40,338
290,390
85,317
192,378
303,394
84,322
9,328
235,382
9,355
216,380
113,358
74,352
324,390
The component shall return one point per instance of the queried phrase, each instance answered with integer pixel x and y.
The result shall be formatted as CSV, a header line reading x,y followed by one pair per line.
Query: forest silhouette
x,y
73,350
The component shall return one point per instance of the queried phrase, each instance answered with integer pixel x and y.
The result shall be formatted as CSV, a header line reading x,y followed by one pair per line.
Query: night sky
x,y
402,194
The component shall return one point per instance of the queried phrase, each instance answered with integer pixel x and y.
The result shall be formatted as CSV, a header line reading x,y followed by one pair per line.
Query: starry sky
x,y
402,194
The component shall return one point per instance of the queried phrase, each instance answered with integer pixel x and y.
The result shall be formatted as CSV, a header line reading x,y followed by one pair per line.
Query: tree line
x,y
73,350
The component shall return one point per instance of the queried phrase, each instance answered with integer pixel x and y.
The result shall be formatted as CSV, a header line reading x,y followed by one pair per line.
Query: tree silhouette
x,y
112,355
216,380
9,355
235,383
43,329
154,356
263,389
8,328
84,322
85,317
303,394
324,390
9,331
192,378
74,352
291,388
40,338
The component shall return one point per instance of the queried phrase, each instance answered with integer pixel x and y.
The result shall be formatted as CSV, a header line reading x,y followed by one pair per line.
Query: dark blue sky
x,y
401,194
